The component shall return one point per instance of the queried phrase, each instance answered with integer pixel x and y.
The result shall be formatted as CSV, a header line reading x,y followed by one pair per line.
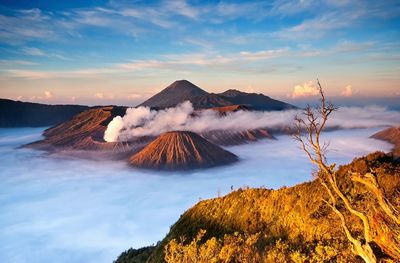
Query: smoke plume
x,y
143,121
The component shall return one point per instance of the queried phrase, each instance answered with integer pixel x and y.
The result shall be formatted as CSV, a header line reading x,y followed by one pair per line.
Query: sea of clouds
x,y
143,121
72,210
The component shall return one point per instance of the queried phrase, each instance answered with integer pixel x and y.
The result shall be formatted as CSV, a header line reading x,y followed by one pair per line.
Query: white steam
x,y
143,121
113,128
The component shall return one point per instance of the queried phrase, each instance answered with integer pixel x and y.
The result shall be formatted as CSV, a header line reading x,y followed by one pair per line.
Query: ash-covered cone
x,y
181,150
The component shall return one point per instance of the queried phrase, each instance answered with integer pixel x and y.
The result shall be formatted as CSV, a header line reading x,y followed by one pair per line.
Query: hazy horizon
x,y
391,103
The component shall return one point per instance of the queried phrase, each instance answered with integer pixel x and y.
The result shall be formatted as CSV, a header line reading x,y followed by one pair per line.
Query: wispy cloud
x,y
243,61
37,52
25,25
32,51
8,63
315,27
181,7
331,15
29,74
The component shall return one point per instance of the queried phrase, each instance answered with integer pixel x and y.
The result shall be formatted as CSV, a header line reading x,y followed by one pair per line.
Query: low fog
x,y
143,121
57,210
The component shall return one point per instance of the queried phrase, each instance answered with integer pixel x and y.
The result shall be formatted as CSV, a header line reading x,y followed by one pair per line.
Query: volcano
x,y
181,150
85,131
177,92
183,90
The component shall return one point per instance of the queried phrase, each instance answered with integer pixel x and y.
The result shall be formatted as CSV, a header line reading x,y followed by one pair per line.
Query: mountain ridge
x,y
287,223
183,90
29,114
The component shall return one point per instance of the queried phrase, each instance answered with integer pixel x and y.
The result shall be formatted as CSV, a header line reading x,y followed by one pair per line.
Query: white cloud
x,y
48,94
306,90
347,91
99,95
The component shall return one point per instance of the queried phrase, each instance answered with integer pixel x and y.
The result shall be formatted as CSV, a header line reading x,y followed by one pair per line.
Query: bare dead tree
x,y
309,126
386,224
369,180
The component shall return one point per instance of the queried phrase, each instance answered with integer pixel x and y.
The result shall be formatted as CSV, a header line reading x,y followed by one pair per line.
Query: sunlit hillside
x,y
287,225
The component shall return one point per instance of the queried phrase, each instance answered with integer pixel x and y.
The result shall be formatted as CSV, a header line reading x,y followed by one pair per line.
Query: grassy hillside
x,y
262,225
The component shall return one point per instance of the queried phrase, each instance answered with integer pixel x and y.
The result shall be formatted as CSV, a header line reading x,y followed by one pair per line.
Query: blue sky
x,y
122,52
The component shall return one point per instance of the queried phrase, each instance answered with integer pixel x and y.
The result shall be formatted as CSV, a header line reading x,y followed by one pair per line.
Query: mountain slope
x,y
255,101
209,100
391,135
177,92
181,150
287,224
84,131
27,114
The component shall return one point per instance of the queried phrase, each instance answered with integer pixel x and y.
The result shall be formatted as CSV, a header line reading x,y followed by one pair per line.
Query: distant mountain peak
x,y
182,81
178,92
185,85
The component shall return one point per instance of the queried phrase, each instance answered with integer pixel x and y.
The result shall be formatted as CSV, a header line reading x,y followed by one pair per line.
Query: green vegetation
x,y
286,225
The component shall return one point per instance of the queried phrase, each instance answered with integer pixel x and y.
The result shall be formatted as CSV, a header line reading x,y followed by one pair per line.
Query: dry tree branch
x,y
313,122
370,182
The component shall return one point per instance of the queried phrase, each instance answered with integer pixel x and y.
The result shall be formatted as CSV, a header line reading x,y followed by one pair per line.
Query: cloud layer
x,y
69,210
143,121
